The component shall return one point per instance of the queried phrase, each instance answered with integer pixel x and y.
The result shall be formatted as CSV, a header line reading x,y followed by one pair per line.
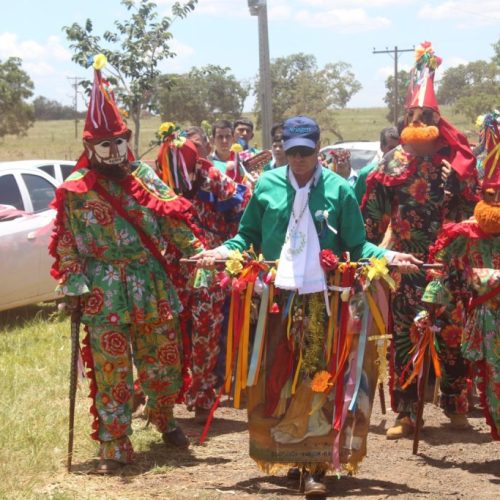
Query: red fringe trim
x,y
88,360
469,229
393,180
481,386
379,176
178,207
186,347
57,204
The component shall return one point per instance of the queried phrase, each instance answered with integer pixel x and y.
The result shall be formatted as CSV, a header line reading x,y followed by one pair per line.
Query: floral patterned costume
x,y
472,258
130,307
218,206
407,192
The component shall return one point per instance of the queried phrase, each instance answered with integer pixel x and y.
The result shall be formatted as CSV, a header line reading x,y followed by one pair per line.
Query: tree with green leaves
x,y
15,87
496,57
403,82
48,109
300,87
471,88
133,51
207,93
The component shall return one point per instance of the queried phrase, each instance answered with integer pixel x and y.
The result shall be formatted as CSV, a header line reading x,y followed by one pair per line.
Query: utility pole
x,y
396,52
77,80
259,8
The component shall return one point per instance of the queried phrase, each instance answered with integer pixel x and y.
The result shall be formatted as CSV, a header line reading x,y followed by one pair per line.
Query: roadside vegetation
x,y
56,139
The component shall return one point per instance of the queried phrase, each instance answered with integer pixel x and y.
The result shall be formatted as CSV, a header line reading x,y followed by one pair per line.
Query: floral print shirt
x,y
101,256
408,192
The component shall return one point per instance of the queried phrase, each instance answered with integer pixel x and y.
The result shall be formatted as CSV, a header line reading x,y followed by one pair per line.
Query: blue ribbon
x,y
361,352
259,334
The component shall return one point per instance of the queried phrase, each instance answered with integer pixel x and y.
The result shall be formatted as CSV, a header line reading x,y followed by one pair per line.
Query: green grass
x,y
56,139
34,385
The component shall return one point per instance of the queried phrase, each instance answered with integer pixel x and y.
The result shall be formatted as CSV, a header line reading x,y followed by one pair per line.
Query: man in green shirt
x,y
295,212
331,202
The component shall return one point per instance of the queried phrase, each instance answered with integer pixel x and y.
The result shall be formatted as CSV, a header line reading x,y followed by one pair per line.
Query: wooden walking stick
x,y
381,395
73,375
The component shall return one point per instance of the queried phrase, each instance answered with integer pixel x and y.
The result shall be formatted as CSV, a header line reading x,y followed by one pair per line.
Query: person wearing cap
x,y
470,252
218,203
409,191
115,221
296,211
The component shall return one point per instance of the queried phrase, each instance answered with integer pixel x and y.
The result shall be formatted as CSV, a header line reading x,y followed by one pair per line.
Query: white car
x,y
362,152
25,227
58,169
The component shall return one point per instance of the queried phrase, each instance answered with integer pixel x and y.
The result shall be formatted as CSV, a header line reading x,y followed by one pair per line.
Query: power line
x,y
396,53
77,81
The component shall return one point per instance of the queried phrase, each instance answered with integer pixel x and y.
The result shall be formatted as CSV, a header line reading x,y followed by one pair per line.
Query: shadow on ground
x,y
346,486
21,316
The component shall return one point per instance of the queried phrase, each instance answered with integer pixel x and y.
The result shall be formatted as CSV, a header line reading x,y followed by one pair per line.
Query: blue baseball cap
x,y
300,131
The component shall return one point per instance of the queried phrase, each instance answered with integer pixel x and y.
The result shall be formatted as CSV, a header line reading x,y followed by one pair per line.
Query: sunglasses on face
x,y
302,151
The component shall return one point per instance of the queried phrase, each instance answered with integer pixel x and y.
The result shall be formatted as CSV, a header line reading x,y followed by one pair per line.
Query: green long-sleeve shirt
x,y
265,220
360,184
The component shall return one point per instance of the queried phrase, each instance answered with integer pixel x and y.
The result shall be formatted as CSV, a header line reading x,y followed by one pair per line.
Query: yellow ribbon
x,y
234,262
379,270
296,376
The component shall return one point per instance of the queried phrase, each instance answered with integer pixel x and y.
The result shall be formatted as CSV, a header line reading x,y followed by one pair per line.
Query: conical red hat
x,y
423,94
491,162
103,117
421,89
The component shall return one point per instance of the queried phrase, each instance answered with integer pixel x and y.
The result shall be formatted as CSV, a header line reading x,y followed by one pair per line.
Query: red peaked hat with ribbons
x,y
421,94
104,119
491,139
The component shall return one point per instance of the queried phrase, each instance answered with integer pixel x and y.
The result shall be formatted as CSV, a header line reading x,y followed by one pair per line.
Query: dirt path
x,y
450,464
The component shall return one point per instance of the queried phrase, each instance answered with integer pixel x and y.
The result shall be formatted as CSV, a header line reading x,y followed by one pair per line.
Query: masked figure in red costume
x,y
409,191
470,252
218,203
115,217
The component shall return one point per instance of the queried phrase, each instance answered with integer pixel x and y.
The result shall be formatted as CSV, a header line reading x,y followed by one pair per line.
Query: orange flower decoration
x,y
420,191
320,382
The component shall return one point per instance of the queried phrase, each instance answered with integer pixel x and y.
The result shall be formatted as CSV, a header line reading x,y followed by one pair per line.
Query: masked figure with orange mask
x,y
426,181
470,252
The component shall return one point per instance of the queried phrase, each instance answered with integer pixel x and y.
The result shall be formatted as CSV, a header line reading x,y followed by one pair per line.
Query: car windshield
x,y
361,158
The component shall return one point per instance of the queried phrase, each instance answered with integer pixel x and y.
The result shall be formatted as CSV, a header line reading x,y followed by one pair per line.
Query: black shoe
x,y
201,415
108,467
313,485
176,438
293,473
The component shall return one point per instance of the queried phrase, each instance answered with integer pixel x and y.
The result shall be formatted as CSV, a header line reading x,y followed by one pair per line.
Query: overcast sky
x,y
222,32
